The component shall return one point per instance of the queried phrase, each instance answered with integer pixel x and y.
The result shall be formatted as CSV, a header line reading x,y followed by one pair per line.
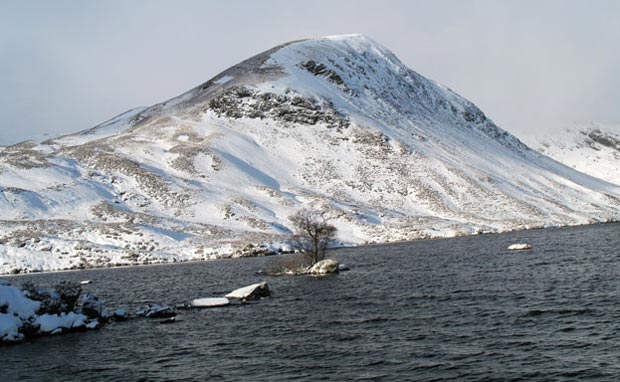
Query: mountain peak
x,y
349,38
347,42
347,74
358,43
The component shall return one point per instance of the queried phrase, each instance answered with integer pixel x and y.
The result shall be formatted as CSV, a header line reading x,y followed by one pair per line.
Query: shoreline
x,y
9,275
482,234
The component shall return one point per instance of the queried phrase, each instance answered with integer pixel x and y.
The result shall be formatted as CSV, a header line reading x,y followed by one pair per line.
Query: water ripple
x,y
443,310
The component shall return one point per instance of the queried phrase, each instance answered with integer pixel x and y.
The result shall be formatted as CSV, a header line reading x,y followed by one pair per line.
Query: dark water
x,y
460,309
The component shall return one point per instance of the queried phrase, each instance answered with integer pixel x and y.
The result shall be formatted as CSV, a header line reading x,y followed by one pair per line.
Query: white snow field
x,y
592,148
336,123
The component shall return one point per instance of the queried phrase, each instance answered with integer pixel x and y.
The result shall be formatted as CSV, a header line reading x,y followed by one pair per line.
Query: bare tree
x,y
312,234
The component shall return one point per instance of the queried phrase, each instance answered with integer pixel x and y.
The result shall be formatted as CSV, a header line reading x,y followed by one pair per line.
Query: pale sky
x,y
68,65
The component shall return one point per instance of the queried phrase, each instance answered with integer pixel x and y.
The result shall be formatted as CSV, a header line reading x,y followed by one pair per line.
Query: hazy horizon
x,y
70,65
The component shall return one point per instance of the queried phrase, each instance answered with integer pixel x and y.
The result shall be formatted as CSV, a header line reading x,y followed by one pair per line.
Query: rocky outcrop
x,y
250,292
31,312
156,311
324,267
120,315
245,102
320,70
93,308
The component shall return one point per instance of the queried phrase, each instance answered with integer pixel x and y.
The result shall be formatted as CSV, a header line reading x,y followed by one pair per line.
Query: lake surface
x,y
462,309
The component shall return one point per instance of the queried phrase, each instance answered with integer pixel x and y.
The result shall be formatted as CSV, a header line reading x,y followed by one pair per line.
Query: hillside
x,y
336,123
592,148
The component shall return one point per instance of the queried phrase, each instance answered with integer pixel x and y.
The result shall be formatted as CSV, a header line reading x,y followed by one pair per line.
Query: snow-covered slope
x,y
592,148
337,124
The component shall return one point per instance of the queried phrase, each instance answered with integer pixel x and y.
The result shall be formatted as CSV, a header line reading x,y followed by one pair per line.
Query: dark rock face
x,y
30,330
474,115
260,292
597,136
322,71
251,292
120,315
61,299
92,307
243,102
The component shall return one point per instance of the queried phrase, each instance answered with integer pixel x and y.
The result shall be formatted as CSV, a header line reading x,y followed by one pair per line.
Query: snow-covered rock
x,y
209,302
15,301
56,323
22,317
10,327
324,267
250,292
120,315
156,311
519,247
336,123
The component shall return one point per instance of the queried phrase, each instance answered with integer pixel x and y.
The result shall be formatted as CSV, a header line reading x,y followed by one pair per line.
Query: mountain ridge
x,y
589,147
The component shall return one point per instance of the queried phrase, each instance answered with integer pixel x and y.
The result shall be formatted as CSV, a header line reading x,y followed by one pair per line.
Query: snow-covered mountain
x,y
336,123
592,148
